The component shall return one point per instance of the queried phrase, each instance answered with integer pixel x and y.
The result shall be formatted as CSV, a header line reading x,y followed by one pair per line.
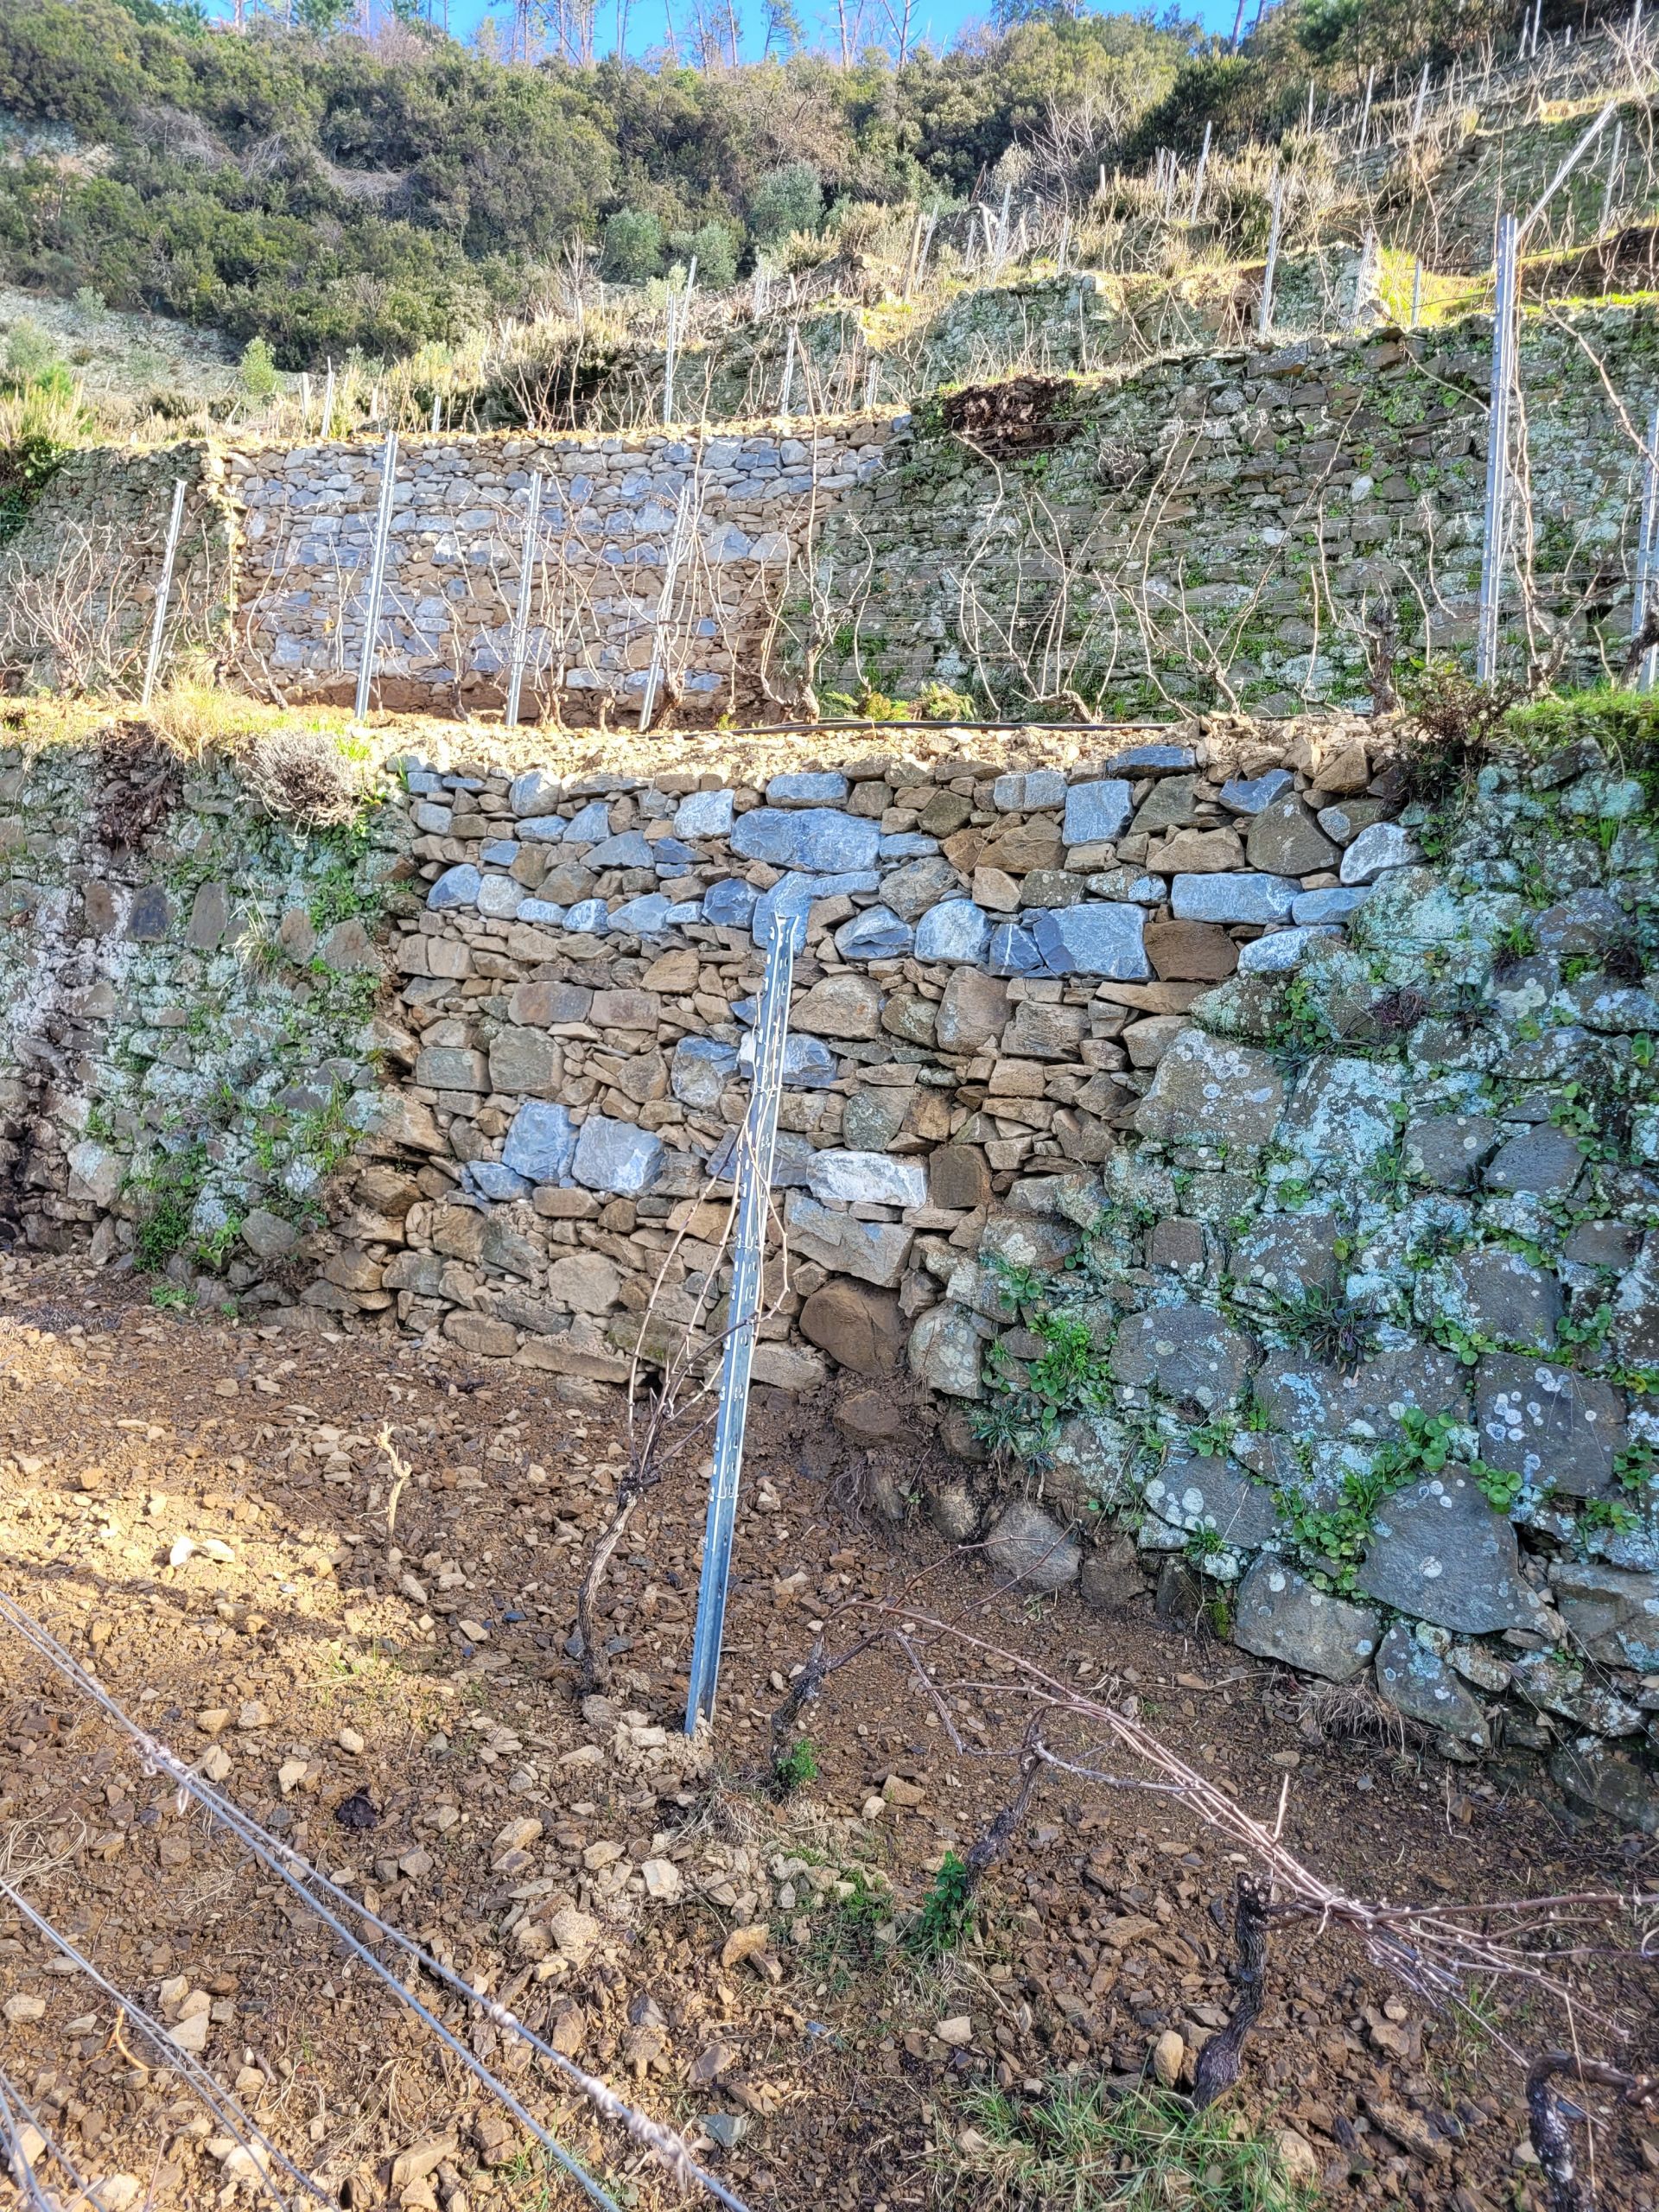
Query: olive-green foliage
x,y
232,192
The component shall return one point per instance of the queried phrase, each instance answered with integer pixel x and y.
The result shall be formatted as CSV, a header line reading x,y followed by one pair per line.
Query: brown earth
x,y
303,1660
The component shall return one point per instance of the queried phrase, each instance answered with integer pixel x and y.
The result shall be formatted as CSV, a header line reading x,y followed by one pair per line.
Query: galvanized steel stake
x,y
671,560
755,1161
164,590
1498,453
1644,551
1264,314
521,613
377,573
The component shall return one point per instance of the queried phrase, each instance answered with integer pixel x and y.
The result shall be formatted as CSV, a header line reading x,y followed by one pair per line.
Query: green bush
x,y
258,371
784,201
633,247
715,245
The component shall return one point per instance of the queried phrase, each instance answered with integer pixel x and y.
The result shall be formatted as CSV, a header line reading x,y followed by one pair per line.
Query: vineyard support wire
x,y
247,2132
284,1861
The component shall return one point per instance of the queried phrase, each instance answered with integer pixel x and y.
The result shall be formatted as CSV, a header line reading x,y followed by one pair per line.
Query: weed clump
x,y
299,776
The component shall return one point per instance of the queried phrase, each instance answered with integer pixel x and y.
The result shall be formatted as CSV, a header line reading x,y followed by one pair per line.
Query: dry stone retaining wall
x,y
1280,1207
1269,530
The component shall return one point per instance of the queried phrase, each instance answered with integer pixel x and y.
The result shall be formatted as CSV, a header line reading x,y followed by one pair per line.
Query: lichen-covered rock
x,y
1613,1615
1559,1429
1280,1614
1185,1351
1439,1551
1449,1150
1495,1294
1213,1497
1417,1681
1209,1092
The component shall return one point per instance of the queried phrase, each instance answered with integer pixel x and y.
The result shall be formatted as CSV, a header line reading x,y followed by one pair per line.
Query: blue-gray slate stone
x,y
808,787
956,930
646,916
730,905
631,850
703,814
592,826
1019,792
876,934
1280,1615
1418,1682
540,1142
1280,950
588,917
1334,904
1249,795
1196,1494
1438,1552
816,840
1092,940
616,1156
1096,813
1152,760
456,886
534,792
1234,896
1013,952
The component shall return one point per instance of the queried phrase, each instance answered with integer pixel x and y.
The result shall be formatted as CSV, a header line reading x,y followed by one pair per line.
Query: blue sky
x,y
939,21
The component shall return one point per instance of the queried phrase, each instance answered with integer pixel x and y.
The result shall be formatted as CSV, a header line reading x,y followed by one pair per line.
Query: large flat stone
x,y
1305,1398
1207,1091
817,840
1494,1293
1281,1615
868,1178
1097,813
1544,1160
1092,939
1186,1351
1559,1429
1234,897
1439,1552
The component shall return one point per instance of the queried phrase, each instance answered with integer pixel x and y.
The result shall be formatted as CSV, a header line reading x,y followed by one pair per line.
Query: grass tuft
x,y
1080,2148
